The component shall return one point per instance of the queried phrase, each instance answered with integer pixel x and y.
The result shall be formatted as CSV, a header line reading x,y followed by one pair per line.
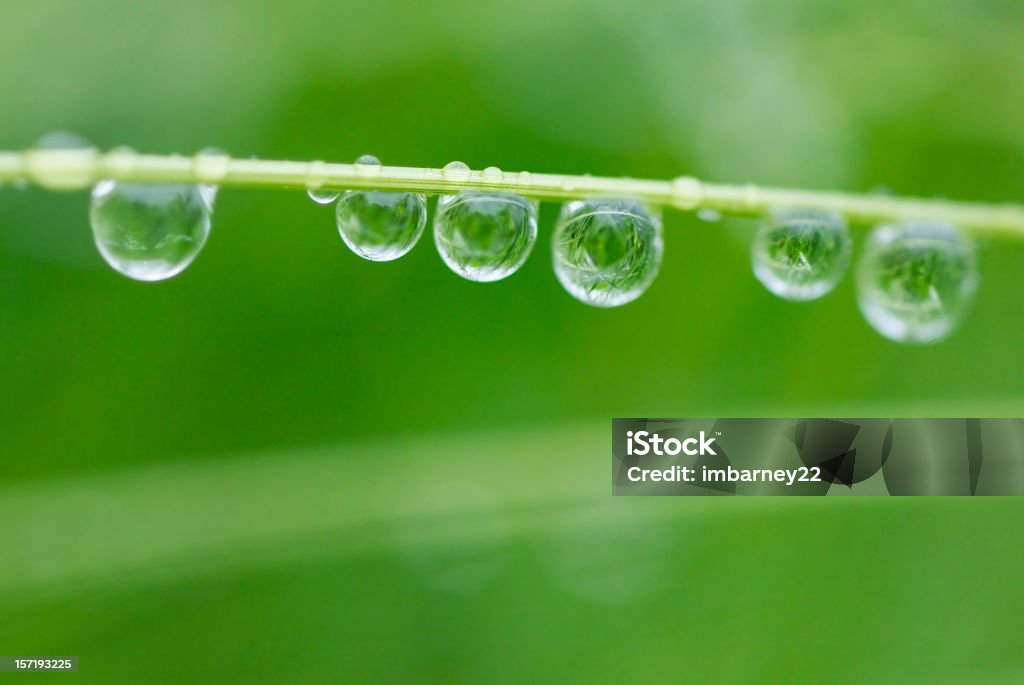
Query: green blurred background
x,y
292,465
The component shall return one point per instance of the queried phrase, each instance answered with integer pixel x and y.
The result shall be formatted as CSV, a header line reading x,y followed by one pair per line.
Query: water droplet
x,y
367,165
525,178
316,175
456,171
916,280
493,174
607,252
62,161
801,254
381,226
485,236
687,192
121,160
323,196
62,140
709,215
149,232
211,165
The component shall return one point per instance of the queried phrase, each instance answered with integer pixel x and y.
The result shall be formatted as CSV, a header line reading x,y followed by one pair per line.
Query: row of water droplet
x,y
915,280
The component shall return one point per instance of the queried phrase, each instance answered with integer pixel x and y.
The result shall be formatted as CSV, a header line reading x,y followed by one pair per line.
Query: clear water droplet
x,y
916,280
62,140
323,196
62,161
381,226
606,252
211,165
687,192
121,160
456,171
801,254
524,178
367,165
493,174
485,236
149,232
316,175
709,215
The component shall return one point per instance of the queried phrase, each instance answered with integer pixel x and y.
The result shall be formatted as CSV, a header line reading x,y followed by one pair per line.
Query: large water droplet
x,y
381,226
62,161
607,252
485,236
149,232
801,254
916,280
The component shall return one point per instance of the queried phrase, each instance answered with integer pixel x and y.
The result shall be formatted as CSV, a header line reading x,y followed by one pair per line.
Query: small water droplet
x,y
456,171
524,178
485,236
801,254
149,232
368,165
121,160
687,192
606,252
709,215
62,161
323,196
493,174
211,165
316,175
381,226
916,280
62,140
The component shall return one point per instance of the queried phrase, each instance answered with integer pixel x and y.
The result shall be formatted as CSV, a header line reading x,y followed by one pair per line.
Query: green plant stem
x,y
77,169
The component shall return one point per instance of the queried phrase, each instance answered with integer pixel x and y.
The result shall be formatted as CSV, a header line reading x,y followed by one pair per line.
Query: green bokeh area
x,y
292,465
